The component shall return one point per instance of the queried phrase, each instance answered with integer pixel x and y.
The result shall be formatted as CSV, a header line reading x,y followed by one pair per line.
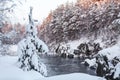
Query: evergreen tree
x,y
30,48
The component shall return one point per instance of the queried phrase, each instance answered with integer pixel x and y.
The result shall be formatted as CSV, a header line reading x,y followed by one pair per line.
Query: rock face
x,y
72,21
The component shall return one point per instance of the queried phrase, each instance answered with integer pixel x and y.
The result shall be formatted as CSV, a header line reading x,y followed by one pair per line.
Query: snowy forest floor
x,y
9,71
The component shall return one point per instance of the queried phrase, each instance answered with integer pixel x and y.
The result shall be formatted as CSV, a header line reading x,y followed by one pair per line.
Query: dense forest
x,y
93,19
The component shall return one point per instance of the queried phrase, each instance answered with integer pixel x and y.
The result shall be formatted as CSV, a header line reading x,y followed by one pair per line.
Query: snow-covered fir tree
x,y
30,48
92,20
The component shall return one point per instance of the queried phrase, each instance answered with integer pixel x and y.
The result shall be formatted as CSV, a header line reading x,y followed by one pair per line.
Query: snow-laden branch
x,y
8,8
30,47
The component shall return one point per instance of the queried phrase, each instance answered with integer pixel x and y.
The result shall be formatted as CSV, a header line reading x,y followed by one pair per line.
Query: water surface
x,y
57,65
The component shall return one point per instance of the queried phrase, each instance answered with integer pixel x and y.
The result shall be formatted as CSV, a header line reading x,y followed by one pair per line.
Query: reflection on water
x,y
58,66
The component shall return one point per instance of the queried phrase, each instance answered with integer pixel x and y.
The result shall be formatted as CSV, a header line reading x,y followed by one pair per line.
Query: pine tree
x,y
30,48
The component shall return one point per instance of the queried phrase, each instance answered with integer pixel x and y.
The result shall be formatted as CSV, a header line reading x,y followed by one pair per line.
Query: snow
x,y
111,52
75,76
99,40
30,47
91,62
117,71
74,44
116,21
12,50
119,14
9,50
44,46
9,71
21,45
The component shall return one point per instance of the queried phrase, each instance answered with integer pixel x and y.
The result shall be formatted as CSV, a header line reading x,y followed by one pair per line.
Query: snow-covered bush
x,y
117,71
30,48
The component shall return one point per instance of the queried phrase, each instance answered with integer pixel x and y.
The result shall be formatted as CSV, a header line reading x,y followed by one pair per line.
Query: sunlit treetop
x,y
99,3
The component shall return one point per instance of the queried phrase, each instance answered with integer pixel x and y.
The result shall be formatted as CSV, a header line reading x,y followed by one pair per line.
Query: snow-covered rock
x,y
77,48
111,52
90,62
108,62
117,71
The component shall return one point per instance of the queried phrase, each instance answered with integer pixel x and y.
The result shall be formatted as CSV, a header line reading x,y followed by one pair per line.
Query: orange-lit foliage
x,y
22,29
84,3
89,3
7,27
117,1
62,7
47,20
19,28
49,17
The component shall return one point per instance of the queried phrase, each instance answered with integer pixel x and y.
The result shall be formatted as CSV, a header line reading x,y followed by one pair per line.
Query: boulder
x,y
63,55
70,56
76,52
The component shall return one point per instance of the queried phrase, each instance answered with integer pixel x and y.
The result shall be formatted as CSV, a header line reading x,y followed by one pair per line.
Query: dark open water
x,y
57,65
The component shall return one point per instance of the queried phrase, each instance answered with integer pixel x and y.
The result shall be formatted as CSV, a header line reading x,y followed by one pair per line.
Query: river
x,y
57,65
